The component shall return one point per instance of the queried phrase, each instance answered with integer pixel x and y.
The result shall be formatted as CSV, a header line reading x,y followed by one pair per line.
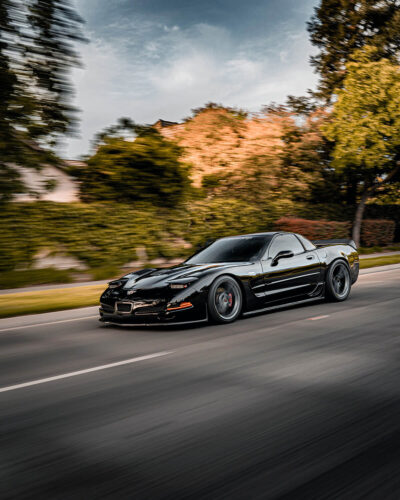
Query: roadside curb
x,y
379,269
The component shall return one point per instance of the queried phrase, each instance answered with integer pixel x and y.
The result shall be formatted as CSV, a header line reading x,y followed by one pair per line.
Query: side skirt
x,y
280,306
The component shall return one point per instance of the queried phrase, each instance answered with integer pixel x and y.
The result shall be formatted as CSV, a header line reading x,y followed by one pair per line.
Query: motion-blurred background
x,y
180,139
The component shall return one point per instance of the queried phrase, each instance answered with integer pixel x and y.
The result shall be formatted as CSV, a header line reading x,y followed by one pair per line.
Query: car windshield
x,y
237,249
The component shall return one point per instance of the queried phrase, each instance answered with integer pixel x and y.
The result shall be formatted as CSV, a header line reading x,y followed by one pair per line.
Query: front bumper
x,y
130,314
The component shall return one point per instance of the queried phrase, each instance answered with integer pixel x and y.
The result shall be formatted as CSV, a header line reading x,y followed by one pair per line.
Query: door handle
x,y
310,257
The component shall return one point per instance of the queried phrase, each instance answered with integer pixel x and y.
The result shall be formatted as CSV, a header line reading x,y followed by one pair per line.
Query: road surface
x,y
300,403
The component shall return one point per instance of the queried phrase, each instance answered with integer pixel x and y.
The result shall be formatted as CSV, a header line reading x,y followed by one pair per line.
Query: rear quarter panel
x,y
330,253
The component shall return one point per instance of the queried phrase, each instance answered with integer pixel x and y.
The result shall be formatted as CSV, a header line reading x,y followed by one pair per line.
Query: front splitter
x,y
170,323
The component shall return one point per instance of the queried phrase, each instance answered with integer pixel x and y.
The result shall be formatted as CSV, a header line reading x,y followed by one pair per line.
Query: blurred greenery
x,y
365,126
337,29
16,279
113,234
147,168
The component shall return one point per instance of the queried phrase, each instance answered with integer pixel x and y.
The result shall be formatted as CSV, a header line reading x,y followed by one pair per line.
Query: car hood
x,y
156,278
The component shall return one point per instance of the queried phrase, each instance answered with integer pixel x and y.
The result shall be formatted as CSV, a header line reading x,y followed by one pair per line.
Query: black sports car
x,y
233,276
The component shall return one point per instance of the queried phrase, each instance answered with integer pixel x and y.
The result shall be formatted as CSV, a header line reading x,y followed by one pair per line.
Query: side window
x,y
285,242
277,245
306,243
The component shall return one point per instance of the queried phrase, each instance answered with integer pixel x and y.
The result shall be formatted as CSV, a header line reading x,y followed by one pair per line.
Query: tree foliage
x,y
295,169
339,27
36,54
365,123
145,169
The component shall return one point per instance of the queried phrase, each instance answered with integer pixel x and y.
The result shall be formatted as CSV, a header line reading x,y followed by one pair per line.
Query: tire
x,y
224,300
338,281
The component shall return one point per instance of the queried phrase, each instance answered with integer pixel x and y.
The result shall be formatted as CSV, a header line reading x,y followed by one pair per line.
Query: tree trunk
x,y
351,191
359,216
364,197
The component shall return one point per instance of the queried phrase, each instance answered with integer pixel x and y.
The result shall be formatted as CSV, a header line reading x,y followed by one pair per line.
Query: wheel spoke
x,y
340,274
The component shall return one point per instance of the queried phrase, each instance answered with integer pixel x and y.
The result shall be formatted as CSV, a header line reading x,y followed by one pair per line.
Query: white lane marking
x,y
45,324
82,372
319,317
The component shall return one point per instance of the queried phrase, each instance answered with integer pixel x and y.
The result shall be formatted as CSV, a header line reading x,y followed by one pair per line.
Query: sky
x,y
151,59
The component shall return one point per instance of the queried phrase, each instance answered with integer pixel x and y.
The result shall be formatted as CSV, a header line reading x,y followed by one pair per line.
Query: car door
x,y
291,277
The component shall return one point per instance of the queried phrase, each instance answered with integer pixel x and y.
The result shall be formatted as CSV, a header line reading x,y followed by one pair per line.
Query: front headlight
x,y
182,283
115,284
178,286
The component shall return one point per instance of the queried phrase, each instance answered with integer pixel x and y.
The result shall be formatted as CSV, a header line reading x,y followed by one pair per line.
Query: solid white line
x,y
318,317
82,372
45,324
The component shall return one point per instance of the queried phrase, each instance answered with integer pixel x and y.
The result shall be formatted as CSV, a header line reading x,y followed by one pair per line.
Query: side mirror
x,y
284,254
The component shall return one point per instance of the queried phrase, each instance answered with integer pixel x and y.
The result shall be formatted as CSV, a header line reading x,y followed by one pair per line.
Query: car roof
x,y
271,233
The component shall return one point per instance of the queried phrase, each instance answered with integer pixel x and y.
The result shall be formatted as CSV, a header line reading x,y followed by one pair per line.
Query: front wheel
x,y
338,282
224,300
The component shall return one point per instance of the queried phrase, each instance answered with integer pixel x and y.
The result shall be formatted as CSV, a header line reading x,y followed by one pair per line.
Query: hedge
x,y
109,234
386,212
376,232
101,235
314,229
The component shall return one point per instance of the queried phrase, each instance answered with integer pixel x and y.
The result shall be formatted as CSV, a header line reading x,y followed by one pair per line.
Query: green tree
x,y
36,54
339,27
365,126
145,169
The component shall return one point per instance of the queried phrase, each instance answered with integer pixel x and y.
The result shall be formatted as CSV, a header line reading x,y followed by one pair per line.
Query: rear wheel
x,y
224,300
338,282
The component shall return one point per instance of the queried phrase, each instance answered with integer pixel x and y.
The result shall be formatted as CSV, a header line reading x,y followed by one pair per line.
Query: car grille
x,y
140,307
142,311
123,306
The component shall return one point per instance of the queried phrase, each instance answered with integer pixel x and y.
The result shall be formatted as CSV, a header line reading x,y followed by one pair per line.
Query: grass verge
x,y
16,304
379,261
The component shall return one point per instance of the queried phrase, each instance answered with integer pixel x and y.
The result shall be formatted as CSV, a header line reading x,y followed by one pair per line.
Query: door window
x,y
285,242
306,243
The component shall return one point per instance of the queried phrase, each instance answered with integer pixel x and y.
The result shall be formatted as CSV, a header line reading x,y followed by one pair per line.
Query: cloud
x,y
148,70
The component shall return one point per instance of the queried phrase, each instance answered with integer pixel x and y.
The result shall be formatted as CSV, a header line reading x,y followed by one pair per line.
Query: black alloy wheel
x,y
338,282
224,300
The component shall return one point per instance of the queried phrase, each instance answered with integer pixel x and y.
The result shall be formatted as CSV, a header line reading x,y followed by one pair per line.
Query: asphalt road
x,y
301,403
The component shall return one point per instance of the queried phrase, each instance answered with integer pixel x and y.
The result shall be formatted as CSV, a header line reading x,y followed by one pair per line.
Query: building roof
x,y
164,123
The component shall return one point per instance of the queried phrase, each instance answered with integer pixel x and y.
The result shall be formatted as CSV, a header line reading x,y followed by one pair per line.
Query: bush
x,y
391,212
314,229
146,169
377,232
